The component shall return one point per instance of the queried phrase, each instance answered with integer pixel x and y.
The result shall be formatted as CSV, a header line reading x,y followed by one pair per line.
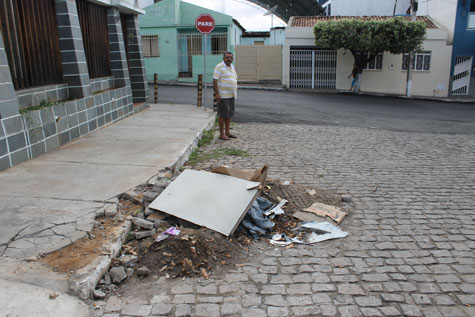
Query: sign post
x,y
205,24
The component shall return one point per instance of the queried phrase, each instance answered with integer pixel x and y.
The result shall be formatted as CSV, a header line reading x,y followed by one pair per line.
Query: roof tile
x,y
309,21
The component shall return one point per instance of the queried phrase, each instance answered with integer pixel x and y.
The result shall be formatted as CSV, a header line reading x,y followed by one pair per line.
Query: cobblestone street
x,y
411,242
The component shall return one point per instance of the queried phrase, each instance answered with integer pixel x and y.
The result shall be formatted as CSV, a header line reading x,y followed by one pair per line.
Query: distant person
x,y
354,73
225,88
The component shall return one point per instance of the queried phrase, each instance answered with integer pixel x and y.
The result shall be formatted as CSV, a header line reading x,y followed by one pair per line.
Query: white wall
x,y
442,11
368,7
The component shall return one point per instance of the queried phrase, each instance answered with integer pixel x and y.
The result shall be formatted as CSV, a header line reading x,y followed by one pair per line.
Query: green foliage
x,y
206,138
395,35
43,104
199,156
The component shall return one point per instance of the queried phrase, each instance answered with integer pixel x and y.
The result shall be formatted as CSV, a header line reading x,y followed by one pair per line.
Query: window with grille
x,y
150,46
93,20
420,61
219,43
31,42
374,63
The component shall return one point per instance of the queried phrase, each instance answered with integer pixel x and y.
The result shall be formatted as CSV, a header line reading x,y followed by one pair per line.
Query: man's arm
x,y
216,90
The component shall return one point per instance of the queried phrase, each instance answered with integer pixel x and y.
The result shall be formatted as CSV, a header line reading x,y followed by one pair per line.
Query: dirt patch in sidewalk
x,y
83,251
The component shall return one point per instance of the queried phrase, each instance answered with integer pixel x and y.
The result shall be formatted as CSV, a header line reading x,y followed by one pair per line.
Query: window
x,y
219,43
421,61
31,42
375,63
93,20
471,18
150,46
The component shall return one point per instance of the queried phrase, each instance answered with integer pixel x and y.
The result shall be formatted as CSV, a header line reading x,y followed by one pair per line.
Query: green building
x,y
174,49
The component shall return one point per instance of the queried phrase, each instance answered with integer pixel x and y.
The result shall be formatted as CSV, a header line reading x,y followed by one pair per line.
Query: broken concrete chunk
x,y
110,211
143,234
130,272
118,274
99,294
147,212
107,279
143,271
142,223
128,260
149,196
346,198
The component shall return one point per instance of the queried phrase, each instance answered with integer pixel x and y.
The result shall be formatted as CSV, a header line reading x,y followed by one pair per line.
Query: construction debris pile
x,y
187,226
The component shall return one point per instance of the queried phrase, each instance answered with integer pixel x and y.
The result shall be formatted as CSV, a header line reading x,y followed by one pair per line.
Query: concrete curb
x,y
86,279
333,92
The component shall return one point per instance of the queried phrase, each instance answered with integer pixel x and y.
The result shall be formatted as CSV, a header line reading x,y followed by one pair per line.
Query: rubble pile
x,y
163,245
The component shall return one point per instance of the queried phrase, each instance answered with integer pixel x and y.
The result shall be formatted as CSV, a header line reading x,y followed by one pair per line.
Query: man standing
x,y
225,88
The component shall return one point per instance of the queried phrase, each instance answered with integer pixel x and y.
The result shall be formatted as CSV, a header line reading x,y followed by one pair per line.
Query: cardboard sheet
x,y
216,201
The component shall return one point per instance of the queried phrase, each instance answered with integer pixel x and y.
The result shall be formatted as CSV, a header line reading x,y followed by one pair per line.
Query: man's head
x,y
228,58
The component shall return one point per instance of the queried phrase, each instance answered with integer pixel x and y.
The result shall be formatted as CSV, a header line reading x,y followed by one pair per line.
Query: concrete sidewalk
x,y
51,201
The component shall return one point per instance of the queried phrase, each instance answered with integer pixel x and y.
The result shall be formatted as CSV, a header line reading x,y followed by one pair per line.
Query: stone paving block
x,y
350,310
368,301
467,299
277,311
114,304
421,299
136,310
183,310
268,269
370,312
248,300
273,289
290,261
410,310
320,278
210,299
182,289
231,309
306,311
350,289
343,300
299,289
275,300
207,310
254,312
210,289
280,279
452,311
328,310
390,311
443,300
184,299
162,309
259,278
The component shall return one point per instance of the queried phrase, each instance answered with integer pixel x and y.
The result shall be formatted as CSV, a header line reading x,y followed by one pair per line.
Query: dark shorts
x,y
226,108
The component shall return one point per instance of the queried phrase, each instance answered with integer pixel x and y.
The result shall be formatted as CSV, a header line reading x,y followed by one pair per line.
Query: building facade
x,y
67,67
174,48
307,67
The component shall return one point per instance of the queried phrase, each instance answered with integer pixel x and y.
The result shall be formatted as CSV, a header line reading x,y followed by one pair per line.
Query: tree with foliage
x,y
366,39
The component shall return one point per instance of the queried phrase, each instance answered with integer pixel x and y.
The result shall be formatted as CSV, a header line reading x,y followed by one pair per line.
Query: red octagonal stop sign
x,y
204,23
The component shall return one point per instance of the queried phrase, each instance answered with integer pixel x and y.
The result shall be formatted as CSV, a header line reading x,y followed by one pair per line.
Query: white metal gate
x,y
312,69
461,78
256,63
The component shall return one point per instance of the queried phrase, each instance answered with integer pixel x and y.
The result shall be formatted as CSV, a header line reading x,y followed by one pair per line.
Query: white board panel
x,y
215,201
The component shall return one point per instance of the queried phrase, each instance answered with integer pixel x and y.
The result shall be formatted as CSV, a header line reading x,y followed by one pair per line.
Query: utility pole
x,y
411,54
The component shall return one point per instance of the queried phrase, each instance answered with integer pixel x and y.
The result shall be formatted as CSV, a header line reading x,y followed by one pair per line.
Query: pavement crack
x,y
7,245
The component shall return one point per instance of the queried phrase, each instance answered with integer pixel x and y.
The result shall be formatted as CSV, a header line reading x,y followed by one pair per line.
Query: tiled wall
x,y
36,132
